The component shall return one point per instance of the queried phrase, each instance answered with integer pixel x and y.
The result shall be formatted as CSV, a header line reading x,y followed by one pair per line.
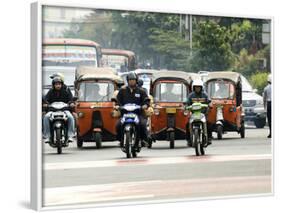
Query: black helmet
x,y
140,82
57,79
132,76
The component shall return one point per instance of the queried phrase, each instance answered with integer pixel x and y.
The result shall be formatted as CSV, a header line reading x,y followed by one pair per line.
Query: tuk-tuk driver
x,y
133,94
58,93
198,95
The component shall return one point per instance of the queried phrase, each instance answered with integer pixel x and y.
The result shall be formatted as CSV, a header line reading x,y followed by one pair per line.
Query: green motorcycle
x,y
198,127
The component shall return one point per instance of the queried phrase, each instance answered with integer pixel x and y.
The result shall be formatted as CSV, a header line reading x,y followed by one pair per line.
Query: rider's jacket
x,y
136,96
63,95
201,97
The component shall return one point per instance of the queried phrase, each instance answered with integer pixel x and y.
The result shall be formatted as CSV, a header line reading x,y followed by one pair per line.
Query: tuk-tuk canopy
x,y
96,73
175,75
227,75
145,71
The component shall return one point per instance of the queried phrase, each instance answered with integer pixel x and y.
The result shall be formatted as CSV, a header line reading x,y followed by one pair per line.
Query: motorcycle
x,y
198,128
130,122
58,121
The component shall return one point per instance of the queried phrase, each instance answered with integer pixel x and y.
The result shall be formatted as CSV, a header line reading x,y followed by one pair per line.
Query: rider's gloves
x,y
144,106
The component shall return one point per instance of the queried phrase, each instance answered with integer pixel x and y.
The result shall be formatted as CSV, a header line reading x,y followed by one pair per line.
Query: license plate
x,y
171,110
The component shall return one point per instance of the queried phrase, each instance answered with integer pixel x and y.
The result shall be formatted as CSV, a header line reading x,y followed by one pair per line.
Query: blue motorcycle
x,y
130,123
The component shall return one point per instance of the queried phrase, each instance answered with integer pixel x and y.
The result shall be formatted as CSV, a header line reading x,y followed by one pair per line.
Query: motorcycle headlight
x,y
196,108
80,114
156,112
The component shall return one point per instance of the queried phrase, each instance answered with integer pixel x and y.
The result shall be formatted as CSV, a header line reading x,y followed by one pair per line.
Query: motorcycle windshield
x,y
131,107
58,105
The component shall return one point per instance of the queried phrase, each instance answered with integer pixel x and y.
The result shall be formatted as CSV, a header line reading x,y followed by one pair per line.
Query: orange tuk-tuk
x,y
225,91
169,120
121,60
94,89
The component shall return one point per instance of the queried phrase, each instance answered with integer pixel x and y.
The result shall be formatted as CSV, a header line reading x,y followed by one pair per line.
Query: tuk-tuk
x,y
94,88
225,91
169,120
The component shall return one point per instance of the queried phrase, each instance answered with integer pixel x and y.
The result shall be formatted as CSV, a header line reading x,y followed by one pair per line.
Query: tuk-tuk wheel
x,y
79,142
172,140
242,130
97,137
219,132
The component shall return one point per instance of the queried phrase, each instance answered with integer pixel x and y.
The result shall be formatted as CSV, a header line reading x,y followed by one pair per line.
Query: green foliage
x,y
259,81
213,51
96,27
218,43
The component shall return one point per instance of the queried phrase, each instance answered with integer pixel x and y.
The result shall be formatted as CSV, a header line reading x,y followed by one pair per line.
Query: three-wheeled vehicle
x,y
225,90
169,120
94,89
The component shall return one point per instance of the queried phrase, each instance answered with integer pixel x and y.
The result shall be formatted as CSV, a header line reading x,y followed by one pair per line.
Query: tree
x,y
212,48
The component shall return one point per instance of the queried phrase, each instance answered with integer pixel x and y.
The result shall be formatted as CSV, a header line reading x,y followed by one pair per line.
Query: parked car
x,y
252,104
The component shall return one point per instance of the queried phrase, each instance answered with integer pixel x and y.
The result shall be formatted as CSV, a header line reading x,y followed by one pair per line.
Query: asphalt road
x,y
231,166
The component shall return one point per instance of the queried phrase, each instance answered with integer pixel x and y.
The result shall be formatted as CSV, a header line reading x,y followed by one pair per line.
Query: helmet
x,y
269,78
57,79
57,75
140,82
197,83
148,66
132,76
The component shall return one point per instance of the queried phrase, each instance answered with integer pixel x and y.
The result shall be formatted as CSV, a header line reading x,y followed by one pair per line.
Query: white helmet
x,y
269,78
197,83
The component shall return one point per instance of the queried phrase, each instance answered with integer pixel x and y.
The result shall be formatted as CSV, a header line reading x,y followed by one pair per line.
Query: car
x,y
253,105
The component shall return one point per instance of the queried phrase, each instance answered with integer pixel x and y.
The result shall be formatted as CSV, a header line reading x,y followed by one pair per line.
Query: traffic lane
x,y
153,191
132,173
255,142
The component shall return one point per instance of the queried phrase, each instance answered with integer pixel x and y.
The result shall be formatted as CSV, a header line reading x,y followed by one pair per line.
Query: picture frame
x,y
37,162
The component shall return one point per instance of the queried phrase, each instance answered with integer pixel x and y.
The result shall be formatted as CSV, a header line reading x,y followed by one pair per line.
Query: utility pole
x,y
190,33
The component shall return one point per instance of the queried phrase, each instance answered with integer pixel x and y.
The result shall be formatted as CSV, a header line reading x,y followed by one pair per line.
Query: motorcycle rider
x,y
198,95
58,93
140,84
133,94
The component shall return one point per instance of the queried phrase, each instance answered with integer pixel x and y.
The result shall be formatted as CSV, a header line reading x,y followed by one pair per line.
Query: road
x,y
231,166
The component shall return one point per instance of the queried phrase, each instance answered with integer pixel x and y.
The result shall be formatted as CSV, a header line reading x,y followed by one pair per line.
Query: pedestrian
x,y
267,102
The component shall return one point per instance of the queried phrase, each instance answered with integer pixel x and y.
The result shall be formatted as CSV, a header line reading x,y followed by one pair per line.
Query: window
x,y
221,90
170,92
69,55
95,92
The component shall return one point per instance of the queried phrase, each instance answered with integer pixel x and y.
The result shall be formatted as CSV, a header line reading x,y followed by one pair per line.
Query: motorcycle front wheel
x,y
58,141
199,149
128,141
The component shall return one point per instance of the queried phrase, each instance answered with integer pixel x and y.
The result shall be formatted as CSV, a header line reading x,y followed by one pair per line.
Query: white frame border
x,y
36,102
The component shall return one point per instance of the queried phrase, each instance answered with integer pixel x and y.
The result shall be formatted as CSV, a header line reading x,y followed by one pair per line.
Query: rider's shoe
x,y
46,140
70,139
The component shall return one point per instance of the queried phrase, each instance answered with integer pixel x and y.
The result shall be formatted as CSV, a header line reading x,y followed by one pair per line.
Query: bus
x,y
64,55
121,60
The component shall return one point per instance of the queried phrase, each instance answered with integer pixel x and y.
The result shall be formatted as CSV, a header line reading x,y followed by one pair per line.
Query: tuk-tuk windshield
x,y
170,92
95,92
118,62
69,55
221,90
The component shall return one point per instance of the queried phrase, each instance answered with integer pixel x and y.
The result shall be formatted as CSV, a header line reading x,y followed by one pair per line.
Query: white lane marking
x,y
153,161
217,186
95,193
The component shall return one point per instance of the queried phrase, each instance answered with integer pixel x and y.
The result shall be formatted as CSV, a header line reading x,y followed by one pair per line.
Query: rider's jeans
x,y
70,123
